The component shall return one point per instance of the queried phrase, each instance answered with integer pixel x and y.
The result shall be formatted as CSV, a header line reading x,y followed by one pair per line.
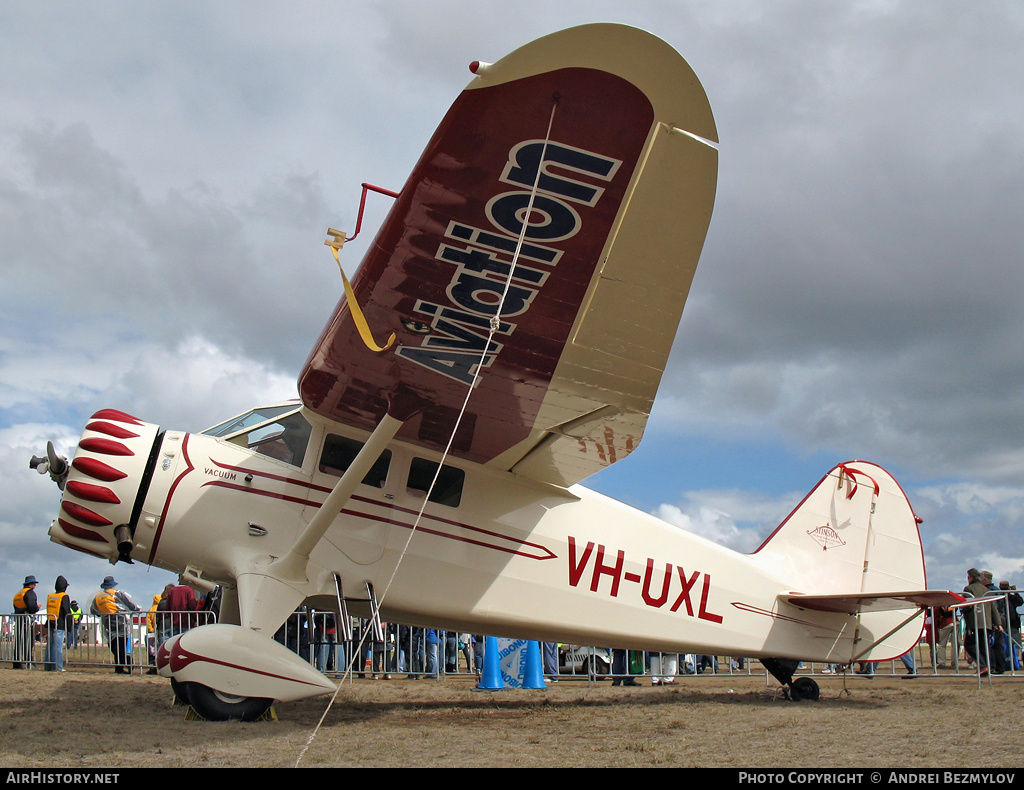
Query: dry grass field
x,y
95,719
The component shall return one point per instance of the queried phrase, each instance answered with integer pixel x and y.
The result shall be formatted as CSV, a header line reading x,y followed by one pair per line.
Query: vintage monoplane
x,y
502,340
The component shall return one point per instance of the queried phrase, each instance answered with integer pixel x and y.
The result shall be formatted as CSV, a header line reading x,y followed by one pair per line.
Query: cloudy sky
x,y
168,172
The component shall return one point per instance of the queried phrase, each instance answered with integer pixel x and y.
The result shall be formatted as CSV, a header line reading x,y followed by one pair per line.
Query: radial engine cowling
x,y
106,485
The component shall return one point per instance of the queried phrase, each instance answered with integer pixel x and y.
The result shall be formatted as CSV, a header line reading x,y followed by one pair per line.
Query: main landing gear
x,y
213,705
782,669
229,673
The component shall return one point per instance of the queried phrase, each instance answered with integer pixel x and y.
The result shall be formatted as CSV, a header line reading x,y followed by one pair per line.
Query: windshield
x,y
279,432
247,420
285,439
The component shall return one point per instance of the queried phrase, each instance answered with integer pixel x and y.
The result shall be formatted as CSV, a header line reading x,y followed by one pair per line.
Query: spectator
x,y
58,615
111,606
664,667
939,633
550,653
997,654
403,651
451,651
25,604
869,668
908,661
621,674
294,633
327,642
181,605
380,658
1011,622
430,644
396,660
980,619
76,615
416,657
478,653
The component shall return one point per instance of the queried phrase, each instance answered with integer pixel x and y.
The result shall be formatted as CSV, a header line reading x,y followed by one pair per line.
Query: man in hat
x,y
980,619
111,605
25,605
73,626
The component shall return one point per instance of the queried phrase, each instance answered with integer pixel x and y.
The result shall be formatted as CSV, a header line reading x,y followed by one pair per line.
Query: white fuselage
x,y
513,558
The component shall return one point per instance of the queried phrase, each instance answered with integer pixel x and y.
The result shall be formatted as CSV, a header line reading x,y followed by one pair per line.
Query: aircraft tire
x,y
805,688
215,705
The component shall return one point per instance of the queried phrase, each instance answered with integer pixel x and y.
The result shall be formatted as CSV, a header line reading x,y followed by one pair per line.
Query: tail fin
x,y
853,539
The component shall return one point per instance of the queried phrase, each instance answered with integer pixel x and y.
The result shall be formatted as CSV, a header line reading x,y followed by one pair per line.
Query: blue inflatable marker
x,y
490,679
534,673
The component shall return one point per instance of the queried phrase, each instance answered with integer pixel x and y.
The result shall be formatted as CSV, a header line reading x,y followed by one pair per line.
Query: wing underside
x,y
572,184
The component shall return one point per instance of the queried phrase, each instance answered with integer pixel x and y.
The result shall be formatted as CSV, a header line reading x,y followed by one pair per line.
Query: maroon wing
x,y
551,137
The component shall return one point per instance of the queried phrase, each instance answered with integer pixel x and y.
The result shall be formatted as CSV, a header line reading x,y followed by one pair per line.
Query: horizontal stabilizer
x,y
854,603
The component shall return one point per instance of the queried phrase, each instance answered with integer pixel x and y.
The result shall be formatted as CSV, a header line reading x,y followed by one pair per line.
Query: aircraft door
x,y
362,527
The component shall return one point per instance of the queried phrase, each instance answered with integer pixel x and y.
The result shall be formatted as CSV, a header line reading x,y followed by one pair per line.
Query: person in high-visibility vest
x,y
111,606
74,625
58,615
25,605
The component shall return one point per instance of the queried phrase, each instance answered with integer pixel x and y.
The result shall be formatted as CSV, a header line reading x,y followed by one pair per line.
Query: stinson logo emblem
x,y
826,537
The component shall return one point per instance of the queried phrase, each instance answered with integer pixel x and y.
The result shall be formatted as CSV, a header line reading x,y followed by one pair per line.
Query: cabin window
x,y
285,439
448,488
339,453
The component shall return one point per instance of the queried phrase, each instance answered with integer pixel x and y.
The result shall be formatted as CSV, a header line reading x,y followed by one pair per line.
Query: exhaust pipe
x,y
123,538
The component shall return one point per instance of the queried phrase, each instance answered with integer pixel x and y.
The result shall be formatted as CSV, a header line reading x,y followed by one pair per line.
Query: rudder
x,y
855,532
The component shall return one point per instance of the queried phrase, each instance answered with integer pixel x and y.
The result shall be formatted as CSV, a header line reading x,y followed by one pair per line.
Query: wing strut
x,y
885,636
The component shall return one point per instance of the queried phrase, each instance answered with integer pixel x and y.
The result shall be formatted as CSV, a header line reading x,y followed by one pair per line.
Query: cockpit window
x,y
285,439
249,419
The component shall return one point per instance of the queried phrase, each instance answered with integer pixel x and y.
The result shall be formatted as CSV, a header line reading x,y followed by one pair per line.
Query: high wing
x,y
575,180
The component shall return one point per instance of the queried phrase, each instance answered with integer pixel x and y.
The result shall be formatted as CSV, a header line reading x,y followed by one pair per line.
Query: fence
x,y
380,650
24,638
361,648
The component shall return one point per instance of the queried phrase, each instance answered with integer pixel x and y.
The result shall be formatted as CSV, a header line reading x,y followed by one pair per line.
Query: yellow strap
x,y
357,314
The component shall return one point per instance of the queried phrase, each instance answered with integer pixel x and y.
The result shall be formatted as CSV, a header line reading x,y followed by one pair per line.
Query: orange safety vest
x,y
19,600
53,605
105,603
151,614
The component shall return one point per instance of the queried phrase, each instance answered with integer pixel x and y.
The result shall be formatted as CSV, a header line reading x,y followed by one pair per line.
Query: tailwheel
x,y
804,688
215,705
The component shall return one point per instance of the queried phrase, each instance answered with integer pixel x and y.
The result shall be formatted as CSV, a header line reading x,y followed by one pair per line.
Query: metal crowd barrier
x,y
396,651
385,651
24,638
354,647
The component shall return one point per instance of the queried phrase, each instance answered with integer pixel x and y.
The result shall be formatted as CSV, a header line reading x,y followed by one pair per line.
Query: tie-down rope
x,y
495,324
